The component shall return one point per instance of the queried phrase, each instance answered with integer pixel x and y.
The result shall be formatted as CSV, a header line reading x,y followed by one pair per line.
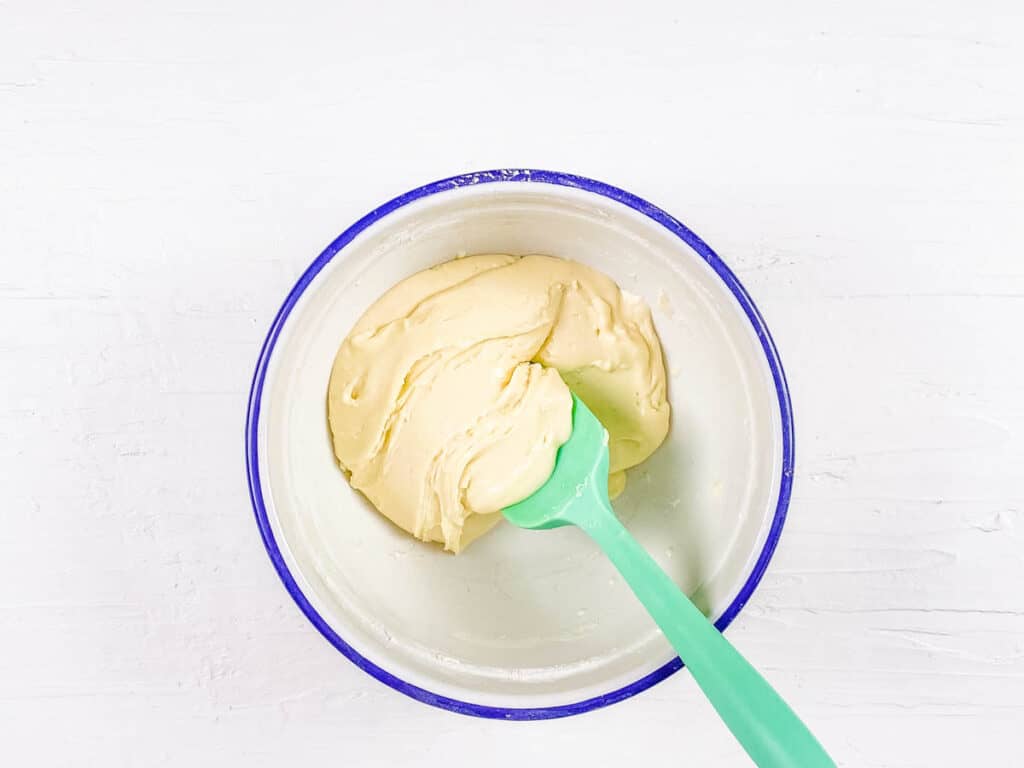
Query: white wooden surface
x,y
168,169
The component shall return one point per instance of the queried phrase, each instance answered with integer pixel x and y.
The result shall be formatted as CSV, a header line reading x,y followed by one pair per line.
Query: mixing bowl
x,y
524,625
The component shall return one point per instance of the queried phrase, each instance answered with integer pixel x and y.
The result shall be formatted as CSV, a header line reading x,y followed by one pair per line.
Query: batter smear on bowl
x,y
450,397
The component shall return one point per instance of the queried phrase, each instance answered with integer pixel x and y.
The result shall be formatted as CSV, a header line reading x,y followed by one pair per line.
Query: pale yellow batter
x,y
448,400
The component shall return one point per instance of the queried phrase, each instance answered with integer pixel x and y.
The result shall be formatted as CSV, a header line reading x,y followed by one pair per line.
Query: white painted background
x,y
168,169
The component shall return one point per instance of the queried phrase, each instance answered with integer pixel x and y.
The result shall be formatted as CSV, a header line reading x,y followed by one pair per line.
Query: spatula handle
x,y
761,721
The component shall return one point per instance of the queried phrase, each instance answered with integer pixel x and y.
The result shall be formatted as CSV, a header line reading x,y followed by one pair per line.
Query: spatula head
x,y
581,471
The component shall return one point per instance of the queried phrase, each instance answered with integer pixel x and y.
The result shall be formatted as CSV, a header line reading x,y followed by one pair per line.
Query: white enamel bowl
x,y
524,625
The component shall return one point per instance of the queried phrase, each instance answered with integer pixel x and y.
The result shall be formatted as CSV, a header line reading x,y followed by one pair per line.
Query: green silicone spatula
x,y
577,494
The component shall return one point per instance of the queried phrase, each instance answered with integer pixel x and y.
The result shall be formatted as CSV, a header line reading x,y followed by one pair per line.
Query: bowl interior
x,y
525,619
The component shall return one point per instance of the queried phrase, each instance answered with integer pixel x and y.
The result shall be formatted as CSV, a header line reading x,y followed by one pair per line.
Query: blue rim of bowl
x,y
517,175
